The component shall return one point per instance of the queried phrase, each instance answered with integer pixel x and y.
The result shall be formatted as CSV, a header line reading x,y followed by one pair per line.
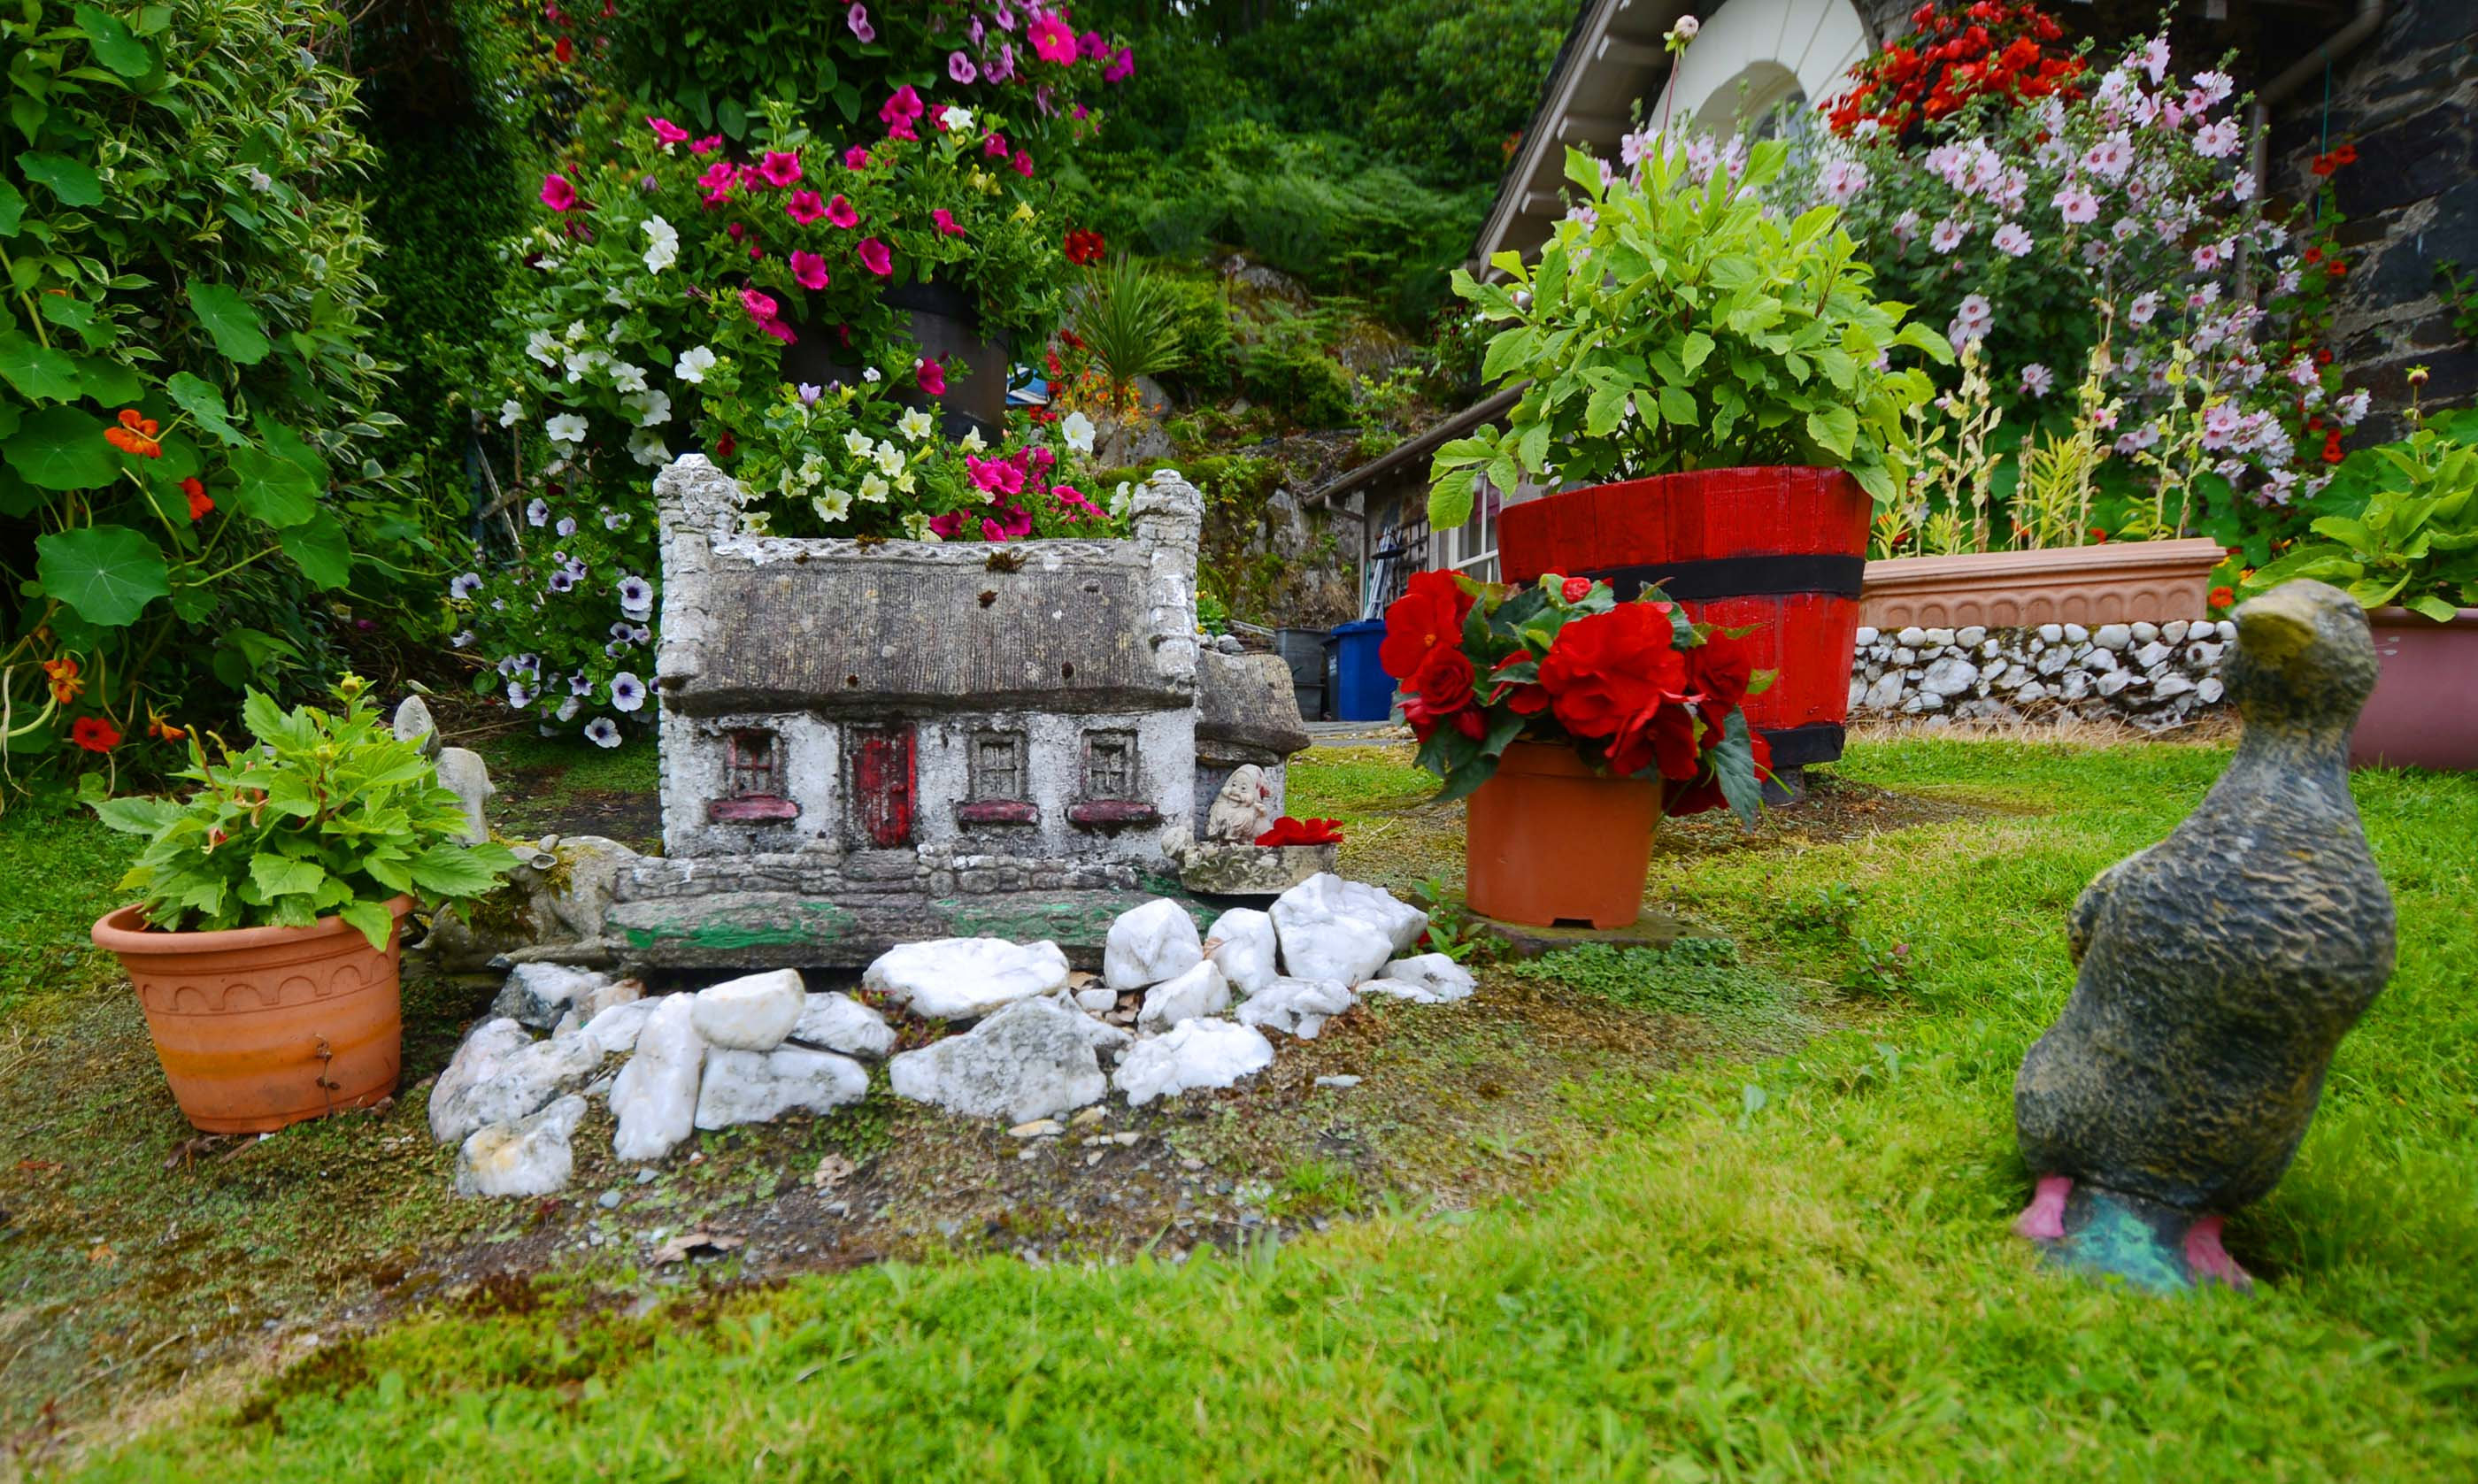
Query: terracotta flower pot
x,y
2424,712
1552,842
2112,582
261,1027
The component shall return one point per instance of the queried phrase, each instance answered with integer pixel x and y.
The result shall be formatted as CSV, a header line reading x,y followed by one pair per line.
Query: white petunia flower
x,y
565,428
663,248
872,489
870,374
890,458
510,412
914,424
645,446
258,180
653,408
971,441
625,377
958,119
832,505
857,444
540,344
693,362
1076,429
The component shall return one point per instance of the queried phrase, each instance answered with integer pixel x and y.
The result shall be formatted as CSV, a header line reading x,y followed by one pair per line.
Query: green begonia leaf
x,y
108,573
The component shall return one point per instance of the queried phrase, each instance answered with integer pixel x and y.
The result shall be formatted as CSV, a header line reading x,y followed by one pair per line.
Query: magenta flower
x,y
1122,67
839,212
667,131
1022,164
761,306
948,526
707,145
1004,14
779,330
718,179
805,207
995,475
808,269
975,32
996,145
857,18
946,220
1090,45
1052,40
992,531
874,256
557,194
736,231
960,68
856,158
900,111
1004,69
779,171
932,378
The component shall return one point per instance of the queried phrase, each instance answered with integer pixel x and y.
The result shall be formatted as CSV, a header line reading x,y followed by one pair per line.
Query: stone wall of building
x,y
2154,675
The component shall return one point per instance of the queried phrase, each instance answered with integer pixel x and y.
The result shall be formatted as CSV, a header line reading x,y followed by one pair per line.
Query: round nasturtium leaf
x,y
235,327
109,573
61,448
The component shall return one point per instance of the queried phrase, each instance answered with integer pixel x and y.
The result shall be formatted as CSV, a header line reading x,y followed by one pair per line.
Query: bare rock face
x,y
2219,970
1032,1059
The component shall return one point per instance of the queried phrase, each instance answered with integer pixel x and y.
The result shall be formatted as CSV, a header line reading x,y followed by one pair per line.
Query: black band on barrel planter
x,y
1740,577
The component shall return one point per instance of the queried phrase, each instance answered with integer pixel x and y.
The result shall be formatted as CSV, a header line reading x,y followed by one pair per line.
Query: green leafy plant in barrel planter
x,y
265,940
1723,385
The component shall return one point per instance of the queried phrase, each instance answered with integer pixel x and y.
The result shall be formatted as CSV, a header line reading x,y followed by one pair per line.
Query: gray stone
x,y
1031,1059
2173,632
1906,655
959,978
614,1031
2052,633
2112,636
412,724
1885,692
1153,942
1245,701
2033,692
539,994
2075,634
753,1013
2152,654
1970,636
1865,637
2146,633
655,1098
1100,999
2228,632
1299,1007
759,1087
1202,990
1241,942
839,1022
463,773
1910,638
2201,655
2209,690
1195,1054
1333,929
2073,685
2100,660
1219,868
1339,1081
501,1074
2113,682
1426,979
567,904
1937,638
2055,660
1950,677
2170,686
527,1157
2219,968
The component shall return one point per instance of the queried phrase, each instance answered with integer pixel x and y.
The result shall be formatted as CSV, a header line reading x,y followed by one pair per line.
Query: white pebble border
x,y
2153,675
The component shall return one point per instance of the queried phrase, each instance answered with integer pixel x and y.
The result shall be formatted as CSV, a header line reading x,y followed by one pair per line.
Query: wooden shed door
x,y
883,785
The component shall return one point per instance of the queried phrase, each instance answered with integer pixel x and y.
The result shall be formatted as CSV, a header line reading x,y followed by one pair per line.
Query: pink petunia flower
x,y
857,18
992,531
1022,164
841,213
805,207
667,131
874,256
1090,45
946,220
707,145
931,376
996,146
2012,241
900,111
856,158
761,306
808,269
557,194
1052,40
948,526
778,169
1122,67
718,181
779,330
960,68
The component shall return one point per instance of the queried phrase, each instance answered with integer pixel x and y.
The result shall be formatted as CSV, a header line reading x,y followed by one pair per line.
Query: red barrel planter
x,y
1780,550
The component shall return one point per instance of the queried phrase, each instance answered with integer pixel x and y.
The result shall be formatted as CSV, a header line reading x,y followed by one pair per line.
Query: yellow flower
x,y
1023,212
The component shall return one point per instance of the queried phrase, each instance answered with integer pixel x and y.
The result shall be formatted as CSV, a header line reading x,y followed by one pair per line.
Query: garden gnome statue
x,y
2218,970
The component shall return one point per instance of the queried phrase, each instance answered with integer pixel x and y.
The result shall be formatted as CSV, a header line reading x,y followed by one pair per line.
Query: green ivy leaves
x,y
108,573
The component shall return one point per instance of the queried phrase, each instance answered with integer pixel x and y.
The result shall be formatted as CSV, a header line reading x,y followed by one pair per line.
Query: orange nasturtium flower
x,y
95,733
158,727
136,435
199,501
64,675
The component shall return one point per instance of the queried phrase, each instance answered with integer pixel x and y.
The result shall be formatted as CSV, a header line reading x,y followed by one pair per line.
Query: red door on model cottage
x,y
884,784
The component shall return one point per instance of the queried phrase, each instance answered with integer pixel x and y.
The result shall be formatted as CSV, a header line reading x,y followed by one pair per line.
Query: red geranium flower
x,y
1287,831
1428,615
95,733
1611,674
1084,246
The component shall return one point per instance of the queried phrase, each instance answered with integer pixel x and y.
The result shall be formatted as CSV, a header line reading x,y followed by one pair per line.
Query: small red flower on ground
x,y
1287,831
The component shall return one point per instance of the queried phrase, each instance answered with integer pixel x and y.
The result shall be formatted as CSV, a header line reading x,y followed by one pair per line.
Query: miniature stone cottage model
x,y
871,744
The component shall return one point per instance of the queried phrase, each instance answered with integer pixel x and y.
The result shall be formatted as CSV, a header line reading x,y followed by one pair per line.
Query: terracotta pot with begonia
x,y
1573,721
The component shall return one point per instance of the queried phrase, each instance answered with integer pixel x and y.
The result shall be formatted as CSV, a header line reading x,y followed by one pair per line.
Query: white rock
x,y
1990,649
2075,633
1950,677
1241,941
1906,656
538,994
759,1087
2228,630
1939,637
528,1157
655,1098
2100,660
2054,660
1100,999
1243,809
2052,633
1202,990
2172,684
1911,636
1428,979
2173,632
2152,653
1885,693
614,1031
1031,1059
1865,636
2202,655
750,1014
2210,689
1194,1054
1298,1006
1334,929
1149,945
1857,692
2146,633
501,1074
1970,635
2033,692
2114,680
842,1024
2112,636
960,979
2074,684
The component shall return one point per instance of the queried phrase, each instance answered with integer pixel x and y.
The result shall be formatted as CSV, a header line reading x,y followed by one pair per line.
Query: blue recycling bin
x,y
1362,690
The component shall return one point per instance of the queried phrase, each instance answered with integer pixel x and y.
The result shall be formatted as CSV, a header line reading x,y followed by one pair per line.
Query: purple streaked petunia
x,y
636,597
566,525
562,581
464,639
580,684
857,18
517,695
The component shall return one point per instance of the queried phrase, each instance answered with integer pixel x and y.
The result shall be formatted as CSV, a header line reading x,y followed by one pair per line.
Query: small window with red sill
x,y
1111,795
1000,780
752,779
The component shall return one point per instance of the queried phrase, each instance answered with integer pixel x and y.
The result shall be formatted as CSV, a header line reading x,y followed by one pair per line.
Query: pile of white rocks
x,y
2154,675
1173,1011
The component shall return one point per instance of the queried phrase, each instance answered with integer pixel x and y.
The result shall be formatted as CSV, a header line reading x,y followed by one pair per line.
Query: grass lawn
x,y
1784,1268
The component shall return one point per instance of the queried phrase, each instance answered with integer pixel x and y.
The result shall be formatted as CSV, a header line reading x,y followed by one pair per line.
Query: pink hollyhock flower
x,y
557,194
996,146
1054,39
1122,67
948,526
808,269
805,207
841,213
1022,164
667,131
857,18
960,68
761,306
874,256
946,220
779,170
707,145
931,376
856,158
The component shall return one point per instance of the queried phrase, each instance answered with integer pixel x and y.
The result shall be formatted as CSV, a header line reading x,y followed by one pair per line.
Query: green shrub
x,y
1289,372
1126,313
1200,320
